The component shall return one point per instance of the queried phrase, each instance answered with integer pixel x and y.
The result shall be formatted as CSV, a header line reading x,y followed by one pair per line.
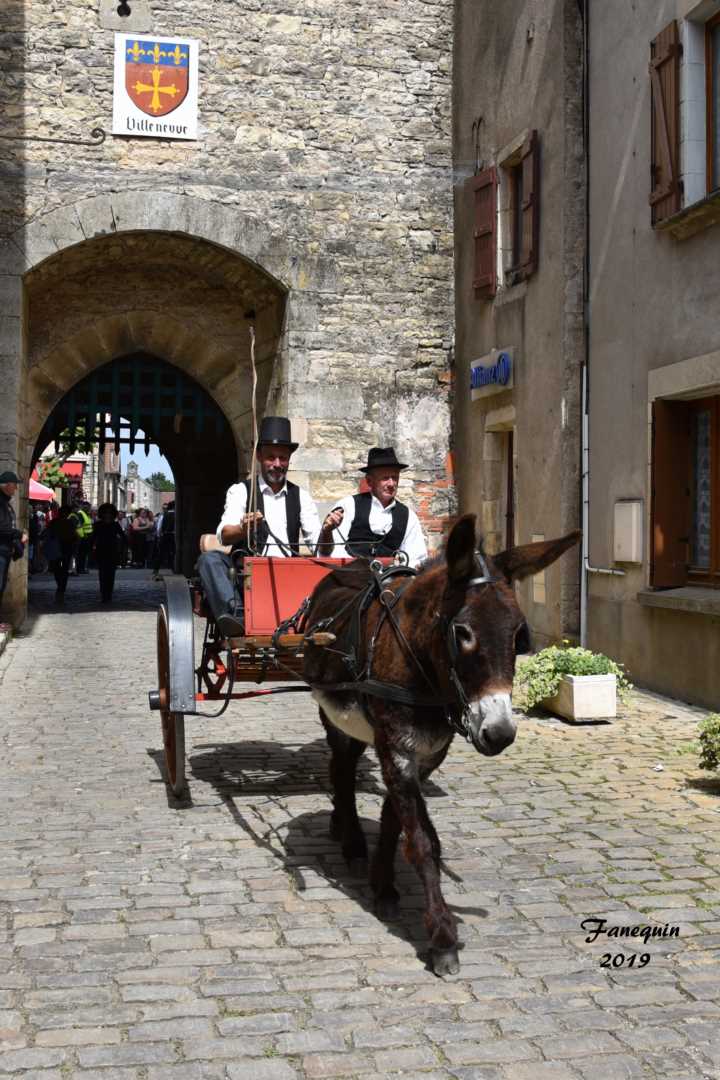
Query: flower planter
x,y
584,697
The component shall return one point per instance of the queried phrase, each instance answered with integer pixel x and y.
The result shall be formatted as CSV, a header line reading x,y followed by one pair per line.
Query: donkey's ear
x,y
521,562
460,552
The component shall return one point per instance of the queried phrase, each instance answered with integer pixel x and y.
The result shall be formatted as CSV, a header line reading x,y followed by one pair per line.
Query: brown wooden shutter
x,y
671,509
530,164
665,192
484,188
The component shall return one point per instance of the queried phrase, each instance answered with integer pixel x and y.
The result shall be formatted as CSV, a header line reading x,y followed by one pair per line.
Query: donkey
x,y
435,654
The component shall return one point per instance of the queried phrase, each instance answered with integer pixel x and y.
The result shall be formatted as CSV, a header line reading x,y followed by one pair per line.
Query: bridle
x,y
457,708
460,722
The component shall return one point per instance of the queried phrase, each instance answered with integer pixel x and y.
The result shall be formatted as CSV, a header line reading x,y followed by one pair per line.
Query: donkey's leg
x,y
344,822
422,849
382,874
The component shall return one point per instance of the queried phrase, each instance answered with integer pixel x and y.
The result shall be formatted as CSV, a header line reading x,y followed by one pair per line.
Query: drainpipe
x,y
585,391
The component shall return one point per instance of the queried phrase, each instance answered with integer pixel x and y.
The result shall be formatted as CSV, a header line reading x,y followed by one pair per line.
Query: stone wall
x,y
323,172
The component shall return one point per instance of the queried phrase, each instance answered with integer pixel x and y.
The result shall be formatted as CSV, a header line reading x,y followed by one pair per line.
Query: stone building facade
x,y
315,206
519,223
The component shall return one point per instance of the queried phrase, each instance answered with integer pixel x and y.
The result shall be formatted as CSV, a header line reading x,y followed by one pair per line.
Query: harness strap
x,y
388,691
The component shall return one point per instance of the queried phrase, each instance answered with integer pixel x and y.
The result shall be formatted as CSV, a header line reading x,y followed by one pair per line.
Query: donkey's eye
x,y
465,637
523,641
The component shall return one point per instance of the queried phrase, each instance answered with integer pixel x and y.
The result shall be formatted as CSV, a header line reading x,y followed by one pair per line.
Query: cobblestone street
x,y
142,938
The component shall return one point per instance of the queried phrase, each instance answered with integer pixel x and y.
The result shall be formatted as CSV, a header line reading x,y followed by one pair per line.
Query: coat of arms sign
x,y
155,78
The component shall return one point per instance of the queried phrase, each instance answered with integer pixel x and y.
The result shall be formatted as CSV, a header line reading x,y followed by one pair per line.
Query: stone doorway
x,y
164,298
142,393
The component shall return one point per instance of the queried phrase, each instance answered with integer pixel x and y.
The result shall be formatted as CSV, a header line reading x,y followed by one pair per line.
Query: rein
x,y
457,708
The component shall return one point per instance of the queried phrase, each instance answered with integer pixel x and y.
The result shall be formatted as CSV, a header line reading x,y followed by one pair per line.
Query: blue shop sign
x,y
491,374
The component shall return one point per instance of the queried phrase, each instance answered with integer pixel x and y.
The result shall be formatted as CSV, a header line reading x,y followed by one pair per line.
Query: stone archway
x,y
143,393
184,300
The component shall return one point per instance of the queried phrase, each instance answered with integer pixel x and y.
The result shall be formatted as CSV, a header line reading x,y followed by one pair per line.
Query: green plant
x,y
50,473
710,742
539,676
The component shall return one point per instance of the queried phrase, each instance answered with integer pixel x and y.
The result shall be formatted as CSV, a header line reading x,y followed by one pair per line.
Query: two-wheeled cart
x,y
270,650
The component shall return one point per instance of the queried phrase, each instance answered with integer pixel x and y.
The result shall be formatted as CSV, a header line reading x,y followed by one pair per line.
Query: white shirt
x,y
413,542
274,513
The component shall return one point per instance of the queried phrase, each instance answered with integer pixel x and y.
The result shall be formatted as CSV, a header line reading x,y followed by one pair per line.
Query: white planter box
x,y
584,697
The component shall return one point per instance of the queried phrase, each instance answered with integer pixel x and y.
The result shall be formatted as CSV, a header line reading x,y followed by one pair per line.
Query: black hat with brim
x,y
275,431
382,457
9,477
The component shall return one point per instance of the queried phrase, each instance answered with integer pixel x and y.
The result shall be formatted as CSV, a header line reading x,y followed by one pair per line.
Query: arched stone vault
x,y
173,296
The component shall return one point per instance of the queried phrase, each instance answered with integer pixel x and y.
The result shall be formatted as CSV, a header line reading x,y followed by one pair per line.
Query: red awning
x,y
39,493
73,468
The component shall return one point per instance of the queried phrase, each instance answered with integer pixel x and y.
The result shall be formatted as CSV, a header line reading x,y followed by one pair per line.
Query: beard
x,y
276,474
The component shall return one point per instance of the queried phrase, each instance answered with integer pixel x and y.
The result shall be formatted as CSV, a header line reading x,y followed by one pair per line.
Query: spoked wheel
x,y
173,723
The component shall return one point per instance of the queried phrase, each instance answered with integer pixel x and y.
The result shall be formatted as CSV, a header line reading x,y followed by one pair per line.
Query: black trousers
x,y
5,560
61,567
106,573
83,552
164,553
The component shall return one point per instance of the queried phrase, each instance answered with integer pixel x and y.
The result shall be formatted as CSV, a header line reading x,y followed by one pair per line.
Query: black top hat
x,y
382,456
275,431
9,477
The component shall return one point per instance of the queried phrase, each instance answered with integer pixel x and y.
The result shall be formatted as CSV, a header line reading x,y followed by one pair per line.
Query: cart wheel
x,y
173,723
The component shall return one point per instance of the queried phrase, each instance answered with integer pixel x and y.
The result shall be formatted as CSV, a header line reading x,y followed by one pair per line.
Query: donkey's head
x,y
486,629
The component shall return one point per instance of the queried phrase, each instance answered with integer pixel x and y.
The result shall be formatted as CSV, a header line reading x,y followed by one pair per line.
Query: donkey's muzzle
x,y
493,726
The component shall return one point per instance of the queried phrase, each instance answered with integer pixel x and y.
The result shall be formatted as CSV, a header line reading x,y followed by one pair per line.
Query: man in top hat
x,y
284,511
375,523
12,539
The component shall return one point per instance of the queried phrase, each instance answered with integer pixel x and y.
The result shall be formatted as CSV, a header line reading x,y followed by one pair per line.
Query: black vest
x,y
292,511
361,541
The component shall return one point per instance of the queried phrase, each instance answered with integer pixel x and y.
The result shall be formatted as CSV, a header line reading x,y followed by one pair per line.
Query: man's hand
x,y
325,540
250,519
233,534
334,519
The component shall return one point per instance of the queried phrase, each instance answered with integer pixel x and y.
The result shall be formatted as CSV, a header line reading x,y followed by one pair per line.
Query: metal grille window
x,y
686,493
704,560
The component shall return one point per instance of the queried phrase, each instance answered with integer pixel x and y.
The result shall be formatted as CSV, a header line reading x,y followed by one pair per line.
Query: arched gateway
x,y
177,308
141,393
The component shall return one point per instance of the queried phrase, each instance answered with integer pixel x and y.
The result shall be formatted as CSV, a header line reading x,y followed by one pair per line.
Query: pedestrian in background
x,y
164,554
141,533
107,537
12,539
59,540
83,528
124,524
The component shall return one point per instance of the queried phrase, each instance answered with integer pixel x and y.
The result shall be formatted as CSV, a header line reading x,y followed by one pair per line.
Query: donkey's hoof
x,y
387,909
445,962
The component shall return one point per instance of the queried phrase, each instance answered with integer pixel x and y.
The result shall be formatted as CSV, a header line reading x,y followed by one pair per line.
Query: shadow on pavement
x,y
302,844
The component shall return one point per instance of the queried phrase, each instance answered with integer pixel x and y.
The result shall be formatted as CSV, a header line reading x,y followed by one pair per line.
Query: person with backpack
x,y
59,541
284,511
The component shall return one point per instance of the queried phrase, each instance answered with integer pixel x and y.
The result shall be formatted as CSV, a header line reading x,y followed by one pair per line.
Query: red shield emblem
x,y
156,75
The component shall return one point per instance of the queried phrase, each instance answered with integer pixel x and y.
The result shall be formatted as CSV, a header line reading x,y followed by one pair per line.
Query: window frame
x,y
712,182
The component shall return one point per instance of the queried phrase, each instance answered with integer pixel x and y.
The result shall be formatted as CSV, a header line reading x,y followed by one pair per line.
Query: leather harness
x,y
457,708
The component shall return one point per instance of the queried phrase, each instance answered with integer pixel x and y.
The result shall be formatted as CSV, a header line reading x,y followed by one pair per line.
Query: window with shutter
x,y
671,495
484,188
530,164
665,193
